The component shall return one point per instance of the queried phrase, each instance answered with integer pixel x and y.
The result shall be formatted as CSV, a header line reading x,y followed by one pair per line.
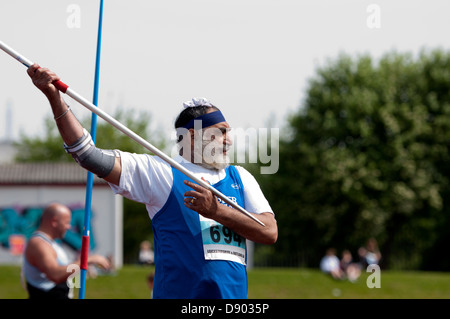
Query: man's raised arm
x,y
77,141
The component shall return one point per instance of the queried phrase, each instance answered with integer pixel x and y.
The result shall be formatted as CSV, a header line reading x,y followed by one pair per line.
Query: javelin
x,y
90,177
64,88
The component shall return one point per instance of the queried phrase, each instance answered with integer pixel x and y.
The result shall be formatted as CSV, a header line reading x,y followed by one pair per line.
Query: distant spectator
x,y
370,254
330,264
351,269
146,254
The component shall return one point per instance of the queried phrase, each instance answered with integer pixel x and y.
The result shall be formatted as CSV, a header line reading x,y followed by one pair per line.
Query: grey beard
x,y
209,160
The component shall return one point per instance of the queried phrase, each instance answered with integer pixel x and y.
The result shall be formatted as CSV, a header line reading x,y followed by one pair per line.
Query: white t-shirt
x,y
148,179
329,263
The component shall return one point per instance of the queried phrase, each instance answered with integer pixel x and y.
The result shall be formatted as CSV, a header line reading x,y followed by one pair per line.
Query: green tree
x,y
48,148
367,155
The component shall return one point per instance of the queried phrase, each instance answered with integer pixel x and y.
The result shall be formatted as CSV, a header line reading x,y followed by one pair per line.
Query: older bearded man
x,y
199,255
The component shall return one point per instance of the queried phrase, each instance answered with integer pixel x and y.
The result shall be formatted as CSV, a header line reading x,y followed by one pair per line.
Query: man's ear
x,y
54,221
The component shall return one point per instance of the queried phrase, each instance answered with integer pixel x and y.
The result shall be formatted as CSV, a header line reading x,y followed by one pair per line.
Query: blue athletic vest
x,y
181,270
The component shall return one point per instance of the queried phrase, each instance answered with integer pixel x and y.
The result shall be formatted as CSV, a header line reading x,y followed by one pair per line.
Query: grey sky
x,y
252,58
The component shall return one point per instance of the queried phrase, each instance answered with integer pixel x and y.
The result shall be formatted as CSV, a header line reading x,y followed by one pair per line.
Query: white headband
x,y
197,101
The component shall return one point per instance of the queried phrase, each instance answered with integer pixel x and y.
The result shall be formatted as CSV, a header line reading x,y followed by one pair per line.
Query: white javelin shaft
x,y
15,55
65,89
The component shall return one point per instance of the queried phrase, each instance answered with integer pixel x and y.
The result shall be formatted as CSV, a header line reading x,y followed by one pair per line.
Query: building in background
x,y
7,151
25,189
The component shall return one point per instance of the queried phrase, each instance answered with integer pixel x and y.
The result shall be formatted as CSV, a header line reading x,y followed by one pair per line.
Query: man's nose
x,y
228,140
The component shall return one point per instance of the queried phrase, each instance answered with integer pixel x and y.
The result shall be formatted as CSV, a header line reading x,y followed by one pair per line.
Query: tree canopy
x,y
48,148
367,155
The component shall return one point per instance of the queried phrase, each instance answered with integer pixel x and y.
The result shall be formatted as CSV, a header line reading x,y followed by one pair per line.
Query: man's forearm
x,y
68,125
74,137
246,227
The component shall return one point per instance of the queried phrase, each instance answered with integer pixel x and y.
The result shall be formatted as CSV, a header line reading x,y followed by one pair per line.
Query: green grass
x,y
264,283
312,284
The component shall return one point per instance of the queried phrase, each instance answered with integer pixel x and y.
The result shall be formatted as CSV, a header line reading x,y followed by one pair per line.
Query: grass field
x,y
264,283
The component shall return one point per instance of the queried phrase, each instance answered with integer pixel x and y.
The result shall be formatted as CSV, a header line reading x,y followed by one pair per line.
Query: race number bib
x,y
221,243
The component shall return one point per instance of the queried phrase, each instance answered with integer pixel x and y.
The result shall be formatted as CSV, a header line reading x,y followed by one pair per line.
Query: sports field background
x,y
264,283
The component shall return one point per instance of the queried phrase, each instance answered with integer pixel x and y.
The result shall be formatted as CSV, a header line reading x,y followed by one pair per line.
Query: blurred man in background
x,y
45,267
